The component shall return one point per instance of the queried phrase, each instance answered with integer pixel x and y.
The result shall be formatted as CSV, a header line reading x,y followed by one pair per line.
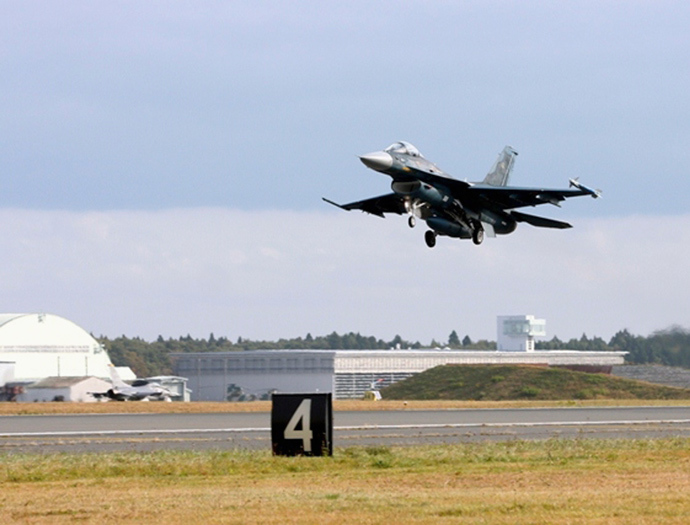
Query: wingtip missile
x,y
575,183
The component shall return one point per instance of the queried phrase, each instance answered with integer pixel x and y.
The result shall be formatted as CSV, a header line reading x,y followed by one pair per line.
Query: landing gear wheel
x,y
430,238
478,236
411,221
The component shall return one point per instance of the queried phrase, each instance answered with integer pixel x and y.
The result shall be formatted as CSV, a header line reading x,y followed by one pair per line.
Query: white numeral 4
x,y
302,413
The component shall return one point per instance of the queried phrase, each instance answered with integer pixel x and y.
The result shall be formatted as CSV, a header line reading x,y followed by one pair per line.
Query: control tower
x,y
516,333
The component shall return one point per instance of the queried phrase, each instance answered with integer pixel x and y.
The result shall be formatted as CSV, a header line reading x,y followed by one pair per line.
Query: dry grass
x,y
265,406
134,407
557,481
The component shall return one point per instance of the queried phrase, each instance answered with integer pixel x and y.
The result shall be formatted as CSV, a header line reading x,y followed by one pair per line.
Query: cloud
x,y
272,274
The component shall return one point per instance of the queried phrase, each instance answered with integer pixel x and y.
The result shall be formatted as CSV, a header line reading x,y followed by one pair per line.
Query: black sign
x,y
302,425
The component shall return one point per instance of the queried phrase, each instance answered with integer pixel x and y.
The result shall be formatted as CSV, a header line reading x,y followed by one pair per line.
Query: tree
x,y
334,342
397,342
453,339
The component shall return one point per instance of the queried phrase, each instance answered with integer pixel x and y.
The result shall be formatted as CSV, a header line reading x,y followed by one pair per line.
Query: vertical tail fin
x,y
115,377
500,172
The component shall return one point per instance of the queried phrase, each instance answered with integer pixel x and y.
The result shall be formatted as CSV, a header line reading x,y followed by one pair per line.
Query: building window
x,y
234,364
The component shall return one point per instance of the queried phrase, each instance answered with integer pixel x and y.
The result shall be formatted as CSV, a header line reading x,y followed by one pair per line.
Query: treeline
x,y
150,359
667,347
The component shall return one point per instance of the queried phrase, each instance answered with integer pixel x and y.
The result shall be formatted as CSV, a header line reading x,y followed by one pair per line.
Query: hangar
x,y
76,389
219,376
45,345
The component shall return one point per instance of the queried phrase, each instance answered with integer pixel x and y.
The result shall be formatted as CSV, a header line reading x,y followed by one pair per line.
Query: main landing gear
x,y
411,221
478,236
430,238
477,233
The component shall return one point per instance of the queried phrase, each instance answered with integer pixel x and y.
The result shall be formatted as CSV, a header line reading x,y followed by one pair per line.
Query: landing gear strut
x,y
430,238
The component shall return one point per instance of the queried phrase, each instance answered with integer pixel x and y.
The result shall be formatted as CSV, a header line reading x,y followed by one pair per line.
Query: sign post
x,y
302,424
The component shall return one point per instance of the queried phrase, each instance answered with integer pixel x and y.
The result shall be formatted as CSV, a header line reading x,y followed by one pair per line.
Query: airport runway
x,y
146,432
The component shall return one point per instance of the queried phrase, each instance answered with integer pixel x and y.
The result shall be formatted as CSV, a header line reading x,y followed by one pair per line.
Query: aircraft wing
x,y
504,197
389,203
508,198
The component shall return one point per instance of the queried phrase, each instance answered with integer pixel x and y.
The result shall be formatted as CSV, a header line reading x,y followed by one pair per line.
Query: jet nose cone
x,y
379,160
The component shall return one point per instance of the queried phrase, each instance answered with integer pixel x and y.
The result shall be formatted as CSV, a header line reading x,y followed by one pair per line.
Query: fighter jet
x,y
139,390
456,208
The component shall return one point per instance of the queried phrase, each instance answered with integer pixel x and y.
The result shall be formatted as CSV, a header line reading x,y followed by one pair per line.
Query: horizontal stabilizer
x,y
389,203
540,222
334,203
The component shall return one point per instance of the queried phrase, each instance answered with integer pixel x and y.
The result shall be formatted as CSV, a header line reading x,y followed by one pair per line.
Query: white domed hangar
x,y
46,345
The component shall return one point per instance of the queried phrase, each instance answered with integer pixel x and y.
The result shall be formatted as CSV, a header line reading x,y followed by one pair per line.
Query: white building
x,y
219,376
516,333
64,389
6,373
46,345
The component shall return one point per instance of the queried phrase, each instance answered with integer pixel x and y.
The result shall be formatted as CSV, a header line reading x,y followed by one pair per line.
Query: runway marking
x,y
521,424
349,428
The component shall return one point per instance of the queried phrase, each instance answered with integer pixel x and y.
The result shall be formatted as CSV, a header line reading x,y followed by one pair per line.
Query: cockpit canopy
x,y
404,148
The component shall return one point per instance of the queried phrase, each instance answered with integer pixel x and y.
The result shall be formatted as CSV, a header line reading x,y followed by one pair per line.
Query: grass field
x,y
7,409
555,481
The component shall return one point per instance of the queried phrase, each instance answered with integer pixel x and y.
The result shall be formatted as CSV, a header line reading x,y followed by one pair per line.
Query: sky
x,y
162,164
